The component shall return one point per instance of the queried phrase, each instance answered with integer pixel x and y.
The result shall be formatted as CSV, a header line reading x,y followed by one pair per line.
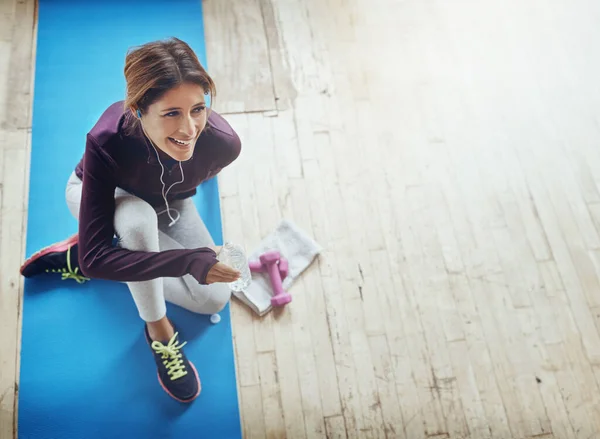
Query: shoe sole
x,y
54,248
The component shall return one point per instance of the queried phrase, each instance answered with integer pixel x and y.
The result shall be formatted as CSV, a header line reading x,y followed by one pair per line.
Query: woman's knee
x,y
218,298
136,224
199,299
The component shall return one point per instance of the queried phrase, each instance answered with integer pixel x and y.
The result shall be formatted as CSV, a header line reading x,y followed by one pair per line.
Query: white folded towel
x,y
296,246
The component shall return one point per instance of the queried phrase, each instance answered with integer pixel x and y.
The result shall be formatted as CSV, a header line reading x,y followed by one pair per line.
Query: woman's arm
x,y
99,258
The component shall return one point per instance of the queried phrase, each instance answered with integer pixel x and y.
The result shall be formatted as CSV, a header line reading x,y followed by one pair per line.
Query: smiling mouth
x,y
180,143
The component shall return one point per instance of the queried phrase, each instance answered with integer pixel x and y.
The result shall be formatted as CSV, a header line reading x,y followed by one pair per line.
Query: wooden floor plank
x,y
283,88
251,407
271,395
11,283
316,295
305,359
17,51
7,12
245,82
393,425
5,50
20,74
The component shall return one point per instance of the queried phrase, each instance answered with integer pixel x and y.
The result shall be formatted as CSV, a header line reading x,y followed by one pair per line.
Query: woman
x,y
143,161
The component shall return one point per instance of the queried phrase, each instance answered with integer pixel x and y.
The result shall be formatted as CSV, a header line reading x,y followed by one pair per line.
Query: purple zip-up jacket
x,y
114,159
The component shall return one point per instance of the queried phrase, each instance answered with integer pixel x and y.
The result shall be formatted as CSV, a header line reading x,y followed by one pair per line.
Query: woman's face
x,y
175,121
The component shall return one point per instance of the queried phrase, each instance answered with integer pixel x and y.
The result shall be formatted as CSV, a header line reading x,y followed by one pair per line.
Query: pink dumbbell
x,y
258,267
270,260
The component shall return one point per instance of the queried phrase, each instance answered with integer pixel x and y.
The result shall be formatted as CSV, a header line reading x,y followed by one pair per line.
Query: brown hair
x,y
156,67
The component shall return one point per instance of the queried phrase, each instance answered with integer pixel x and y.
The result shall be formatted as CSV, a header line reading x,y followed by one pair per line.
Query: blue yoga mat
x,y
86,370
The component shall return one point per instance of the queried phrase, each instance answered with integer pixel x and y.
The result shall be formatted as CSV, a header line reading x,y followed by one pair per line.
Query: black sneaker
x,y
176,374
60,257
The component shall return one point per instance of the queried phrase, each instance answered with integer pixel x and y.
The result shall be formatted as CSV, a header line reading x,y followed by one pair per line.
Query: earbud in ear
x,y
139,114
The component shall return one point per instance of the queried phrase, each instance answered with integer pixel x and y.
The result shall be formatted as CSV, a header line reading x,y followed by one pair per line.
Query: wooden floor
x,y
447,156
17,52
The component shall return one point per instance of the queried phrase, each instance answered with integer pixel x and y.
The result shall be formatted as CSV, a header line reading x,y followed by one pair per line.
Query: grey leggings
x,y
139,228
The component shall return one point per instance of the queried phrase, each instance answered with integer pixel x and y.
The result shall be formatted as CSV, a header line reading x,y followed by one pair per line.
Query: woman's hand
x,y
221,272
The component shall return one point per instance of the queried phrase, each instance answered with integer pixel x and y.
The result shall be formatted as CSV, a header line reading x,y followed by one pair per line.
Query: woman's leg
x,y
136,225
190,232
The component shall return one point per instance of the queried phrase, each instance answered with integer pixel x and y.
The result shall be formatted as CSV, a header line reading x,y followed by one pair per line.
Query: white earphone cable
x,y
164,194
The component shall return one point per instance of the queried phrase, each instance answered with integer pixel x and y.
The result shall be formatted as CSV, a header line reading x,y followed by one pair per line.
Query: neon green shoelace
x,y
69,273
172,358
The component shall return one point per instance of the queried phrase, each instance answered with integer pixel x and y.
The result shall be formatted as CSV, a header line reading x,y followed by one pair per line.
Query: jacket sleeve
x,y
225,143
99,258
231,150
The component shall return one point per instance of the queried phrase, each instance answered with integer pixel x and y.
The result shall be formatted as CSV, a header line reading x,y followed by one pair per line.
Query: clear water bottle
x,y
233,255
